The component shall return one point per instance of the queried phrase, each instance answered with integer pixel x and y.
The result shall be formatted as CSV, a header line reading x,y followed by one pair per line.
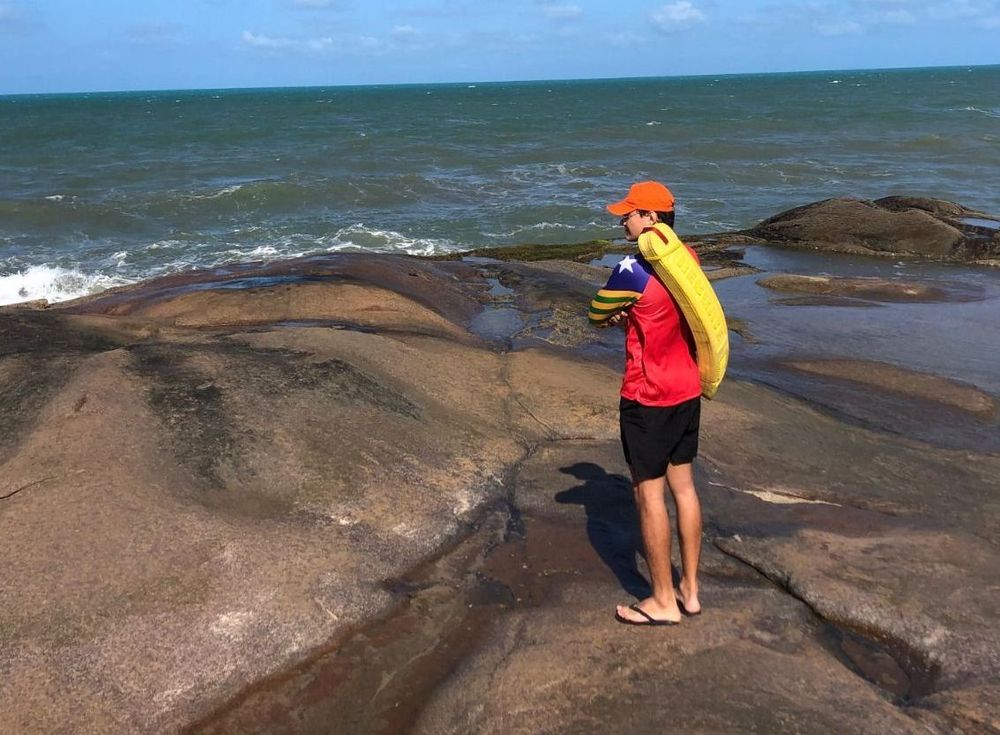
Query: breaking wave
x,y
988,113
56,283
53,284
360,237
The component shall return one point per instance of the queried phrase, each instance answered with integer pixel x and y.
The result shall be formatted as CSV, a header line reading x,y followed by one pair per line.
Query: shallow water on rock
x,y
497,323
990,224
953,339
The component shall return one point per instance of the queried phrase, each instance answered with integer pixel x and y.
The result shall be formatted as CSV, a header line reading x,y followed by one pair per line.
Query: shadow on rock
x,y
612,525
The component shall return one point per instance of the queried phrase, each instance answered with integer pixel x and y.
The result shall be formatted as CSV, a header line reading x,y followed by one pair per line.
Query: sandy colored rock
x,y
240,506
185,511
905,382
265,523
365,306
855,582
874,289
557,662
569,399
636,681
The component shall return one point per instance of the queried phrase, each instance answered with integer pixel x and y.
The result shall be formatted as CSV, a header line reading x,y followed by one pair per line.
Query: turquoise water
x,y
102,189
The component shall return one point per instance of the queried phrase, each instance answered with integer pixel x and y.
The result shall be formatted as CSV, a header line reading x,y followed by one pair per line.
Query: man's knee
x,y
647,491
682,486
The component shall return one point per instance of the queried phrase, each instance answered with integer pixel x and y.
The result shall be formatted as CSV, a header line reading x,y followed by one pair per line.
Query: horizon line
x,y
160,90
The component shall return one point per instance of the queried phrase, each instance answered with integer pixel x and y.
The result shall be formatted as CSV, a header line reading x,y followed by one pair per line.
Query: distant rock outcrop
x,y
911,226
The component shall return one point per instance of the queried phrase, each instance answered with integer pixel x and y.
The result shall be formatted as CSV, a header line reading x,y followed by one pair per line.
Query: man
x,y
659,411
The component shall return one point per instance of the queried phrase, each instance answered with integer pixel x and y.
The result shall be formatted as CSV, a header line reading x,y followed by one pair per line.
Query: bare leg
x,y
680,479
654,522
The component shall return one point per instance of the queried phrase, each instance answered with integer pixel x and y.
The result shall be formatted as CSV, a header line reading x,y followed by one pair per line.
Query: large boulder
x,y
316,497
202,480
893,225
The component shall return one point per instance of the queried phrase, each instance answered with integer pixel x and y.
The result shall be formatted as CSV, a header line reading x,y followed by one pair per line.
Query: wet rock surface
x,y
314,497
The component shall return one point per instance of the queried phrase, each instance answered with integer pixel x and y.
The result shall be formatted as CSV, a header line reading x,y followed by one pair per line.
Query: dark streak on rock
x,y
48,333
193,406
203,435
25,487
284,370
54,348
25,392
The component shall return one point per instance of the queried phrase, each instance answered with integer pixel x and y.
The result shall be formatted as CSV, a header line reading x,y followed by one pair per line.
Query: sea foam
x,y
370,239
52,283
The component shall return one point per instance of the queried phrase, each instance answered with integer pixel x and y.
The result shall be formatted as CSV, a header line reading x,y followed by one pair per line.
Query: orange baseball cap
x,y
649,196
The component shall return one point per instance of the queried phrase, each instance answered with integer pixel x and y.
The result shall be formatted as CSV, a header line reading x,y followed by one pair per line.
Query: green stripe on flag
x,y
614,299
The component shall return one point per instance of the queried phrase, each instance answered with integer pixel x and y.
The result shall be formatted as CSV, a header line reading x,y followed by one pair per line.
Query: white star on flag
x,y
626,264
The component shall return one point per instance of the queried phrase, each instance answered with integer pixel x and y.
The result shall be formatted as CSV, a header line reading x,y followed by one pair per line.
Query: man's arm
x,y
624,287
609,303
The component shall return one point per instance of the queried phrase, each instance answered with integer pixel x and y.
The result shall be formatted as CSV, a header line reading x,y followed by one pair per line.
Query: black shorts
x,y
652,436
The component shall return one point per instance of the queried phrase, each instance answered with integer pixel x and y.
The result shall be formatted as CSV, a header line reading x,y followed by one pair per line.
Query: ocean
x,y
105,189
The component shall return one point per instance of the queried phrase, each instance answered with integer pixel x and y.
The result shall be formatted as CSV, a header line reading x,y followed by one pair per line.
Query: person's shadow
x,y
612,523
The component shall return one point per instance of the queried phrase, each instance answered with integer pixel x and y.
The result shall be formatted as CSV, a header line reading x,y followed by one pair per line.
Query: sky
x,y
104,45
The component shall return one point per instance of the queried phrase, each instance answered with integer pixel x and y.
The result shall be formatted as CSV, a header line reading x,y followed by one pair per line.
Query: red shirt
x,y
660,364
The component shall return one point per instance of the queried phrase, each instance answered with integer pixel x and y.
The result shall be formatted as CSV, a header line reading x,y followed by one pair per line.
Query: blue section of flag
x,y
631,274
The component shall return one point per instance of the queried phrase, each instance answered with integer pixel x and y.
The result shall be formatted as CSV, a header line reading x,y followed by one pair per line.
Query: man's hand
x,y
618,320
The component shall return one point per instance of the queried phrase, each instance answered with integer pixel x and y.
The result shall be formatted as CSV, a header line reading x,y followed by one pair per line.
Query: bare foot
x,y
652,608
687,599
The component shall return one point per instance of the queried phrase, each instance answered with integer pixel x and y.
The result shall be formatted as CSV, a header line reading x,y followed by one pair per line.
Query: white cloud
x,y
407,37
562,12
401,37
319,44
677,16
853,17
952,9
261,41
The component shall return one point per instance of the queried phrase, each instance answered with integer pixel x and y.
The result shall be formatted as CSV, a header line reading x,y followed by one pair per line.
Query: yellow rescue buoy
x,y
689,286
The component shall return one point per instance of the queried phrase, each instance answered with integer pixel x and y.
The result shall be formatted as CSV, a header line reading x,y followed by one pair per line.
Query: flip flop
x,y
684,610
650,620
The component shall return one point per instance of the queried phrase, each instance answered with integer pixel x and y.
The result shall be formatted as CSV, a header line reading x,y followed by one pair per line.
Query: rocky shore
x,y
380,494
891,226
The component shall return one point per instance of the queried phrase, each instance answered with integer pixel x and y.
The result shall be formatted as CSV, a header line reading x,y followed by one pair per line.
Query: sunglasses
x,y
628,216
